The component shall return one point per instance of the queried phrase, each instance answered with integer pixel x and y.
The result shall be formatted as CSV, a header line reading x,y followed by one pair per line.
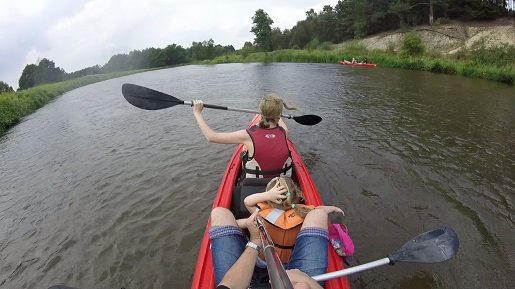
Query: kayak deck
x,y
203,277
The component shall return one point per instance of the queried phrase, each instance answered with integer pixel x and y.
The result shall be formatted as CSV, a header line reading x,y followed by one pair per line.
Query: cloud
x,y
82,33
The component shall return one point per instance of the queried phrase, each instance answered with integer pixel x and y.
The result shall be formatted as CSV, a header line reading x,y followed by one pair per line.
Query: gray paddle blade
x,y
146,98
309,119
431,247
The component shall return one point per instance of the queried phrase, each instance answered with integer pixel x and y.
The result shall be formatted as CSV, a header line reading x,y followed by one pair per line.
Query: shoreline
x,y
431,63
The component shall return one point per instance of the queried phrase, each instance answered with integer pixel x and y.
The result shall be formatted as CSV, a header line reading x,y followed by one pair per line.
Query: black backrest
x,y
248,187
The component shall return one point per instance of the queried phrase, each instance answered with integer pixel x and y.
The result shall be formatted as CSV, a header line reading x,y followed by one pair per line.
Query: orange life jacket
x,y
283,227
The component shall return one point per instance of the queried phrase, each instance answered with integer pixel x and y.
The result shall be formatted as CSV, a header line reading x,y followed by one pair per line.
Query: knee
x,y
218,211
316,218
222,217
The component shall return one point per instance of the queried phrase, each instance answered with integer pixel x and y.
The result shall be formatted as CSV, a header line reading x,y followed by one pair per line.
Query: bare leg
x,y
316,218
222,217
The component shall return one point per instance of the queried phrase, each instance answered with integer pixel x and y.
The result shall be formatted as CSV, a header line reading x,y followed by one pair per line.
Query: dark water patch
x,y
422,280
369,194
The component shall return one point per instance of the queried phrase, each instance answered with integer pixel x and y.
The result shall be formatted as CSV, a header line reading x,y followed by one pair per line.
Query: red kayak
x,y
231,195
357,64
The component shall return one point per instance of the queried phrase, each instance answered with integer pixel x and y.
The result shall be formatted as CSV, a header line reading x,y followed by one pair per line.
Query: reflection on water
x,y
96,193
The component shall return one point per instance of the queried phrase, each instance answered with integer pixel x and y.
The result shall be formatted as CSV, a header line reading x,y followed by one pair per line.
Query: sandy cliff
x,y
449,38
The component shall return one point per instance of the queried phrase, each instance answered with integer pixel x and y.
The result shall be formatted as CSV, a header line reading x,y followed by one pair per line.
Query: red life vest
x,y
271,154
283,227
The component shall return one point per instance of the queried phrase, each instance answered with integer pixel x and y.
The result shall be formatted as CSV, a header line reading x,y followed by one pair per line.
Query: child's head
x,y
294,197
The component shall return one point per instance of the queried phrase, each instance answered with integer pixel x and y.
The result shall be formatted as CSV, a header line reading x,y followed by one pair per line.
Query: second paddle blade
x,y
431,247
309,119
146,98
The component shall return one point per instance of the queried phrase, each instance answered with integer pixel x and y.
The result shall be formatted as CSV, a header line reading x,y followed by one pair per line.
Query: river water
x,y
96,193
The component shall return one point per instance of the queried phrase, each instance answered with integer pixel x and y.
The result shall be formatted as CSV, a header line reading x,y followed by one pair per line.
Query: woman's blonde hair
x,y
270,107
295,196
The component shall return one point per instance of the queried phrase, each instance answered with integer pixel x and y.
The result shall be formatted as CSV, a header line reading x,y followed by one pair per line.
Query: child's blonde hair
x,y
293,200
270,107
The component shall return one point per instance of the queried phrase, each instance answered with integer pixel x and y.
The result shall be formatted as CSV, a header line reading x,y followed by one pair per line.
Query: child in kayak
x,y
281,206
266,151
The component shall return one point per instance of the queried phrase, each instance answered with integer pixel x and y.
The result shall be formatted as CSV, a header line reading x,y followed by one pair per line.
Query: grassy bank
x,y
16,105
473,65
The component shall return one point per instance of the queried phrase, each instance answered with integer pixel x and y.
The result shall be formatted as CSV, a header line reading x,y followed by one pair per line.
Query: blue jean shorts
x,y
309,254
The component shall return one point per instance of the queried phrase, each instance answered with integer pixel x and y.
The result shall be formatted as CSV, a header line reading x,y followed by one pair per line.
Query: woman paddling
x,y
281,207
267,154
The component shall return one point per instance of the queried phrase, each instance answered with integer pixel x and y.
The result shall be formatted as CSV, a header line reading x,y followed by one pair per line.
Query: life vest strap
x,y
284,247
258,172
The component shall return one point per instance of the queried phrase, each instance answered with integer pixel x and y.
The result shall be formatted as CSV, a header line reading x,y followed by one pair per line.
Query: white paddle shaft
x,y
352,270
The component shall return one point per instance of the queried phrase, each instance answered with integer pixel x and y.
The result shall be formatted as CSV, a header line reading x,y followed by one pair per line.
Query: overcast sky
x,y
76,34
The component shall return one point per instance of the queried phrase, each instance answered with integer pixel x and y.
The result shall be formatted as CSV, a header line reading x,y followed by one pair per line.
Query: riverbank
x,y
473,49
14,106
430,62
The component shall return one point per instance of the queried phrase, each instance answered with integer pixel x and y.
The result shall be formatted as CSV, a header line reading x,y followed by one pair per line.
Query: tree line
x,y
349,19
45,71
356,19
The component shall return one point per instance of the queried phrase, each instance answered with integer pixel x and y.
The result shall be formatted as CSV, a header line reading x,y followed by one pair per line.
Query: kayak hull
x,y
203,277
358,64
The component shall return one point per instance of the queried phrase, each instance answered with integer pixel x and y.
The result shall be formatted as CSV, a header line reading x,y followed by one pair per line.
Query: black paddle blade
x,y
309,119
146,98
430,247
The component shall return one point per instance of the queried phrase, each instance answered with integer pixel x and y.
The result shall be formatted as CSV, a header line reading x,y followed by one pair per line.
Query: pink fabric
x,y
338,232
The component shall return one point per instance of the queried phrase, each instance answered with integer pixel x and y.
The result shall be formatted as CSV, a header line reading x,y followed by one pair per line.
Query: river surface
x,y
96,193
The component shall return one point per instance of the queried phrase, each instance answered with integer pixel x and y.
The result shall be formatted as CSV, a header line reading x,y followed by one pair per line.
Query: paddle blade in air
x,y
431,247
146,98
308,119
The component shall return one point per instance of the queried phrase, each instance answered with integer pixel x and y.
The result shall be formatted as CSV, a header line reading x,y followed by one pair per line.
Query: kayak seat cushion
x,y
248,187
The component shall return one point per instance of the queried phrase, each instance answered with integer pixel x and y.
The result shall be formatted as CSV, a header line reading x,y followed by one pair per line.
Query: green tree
x,y
118,62
344,11
300,35
47,72
92,70
209,47
247,49
28,77
280,39
401,9
313,44
262,29
174,54
4,87
327,24
412,45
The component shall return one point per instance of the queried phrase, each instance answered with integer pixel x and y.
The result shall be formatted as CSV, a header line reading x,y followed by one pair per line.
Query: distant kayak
x,y
357,64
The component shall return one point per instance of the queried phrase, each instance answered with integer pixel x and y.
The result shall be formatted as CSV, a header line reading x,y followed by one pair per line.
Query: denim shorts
x,y
309,254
